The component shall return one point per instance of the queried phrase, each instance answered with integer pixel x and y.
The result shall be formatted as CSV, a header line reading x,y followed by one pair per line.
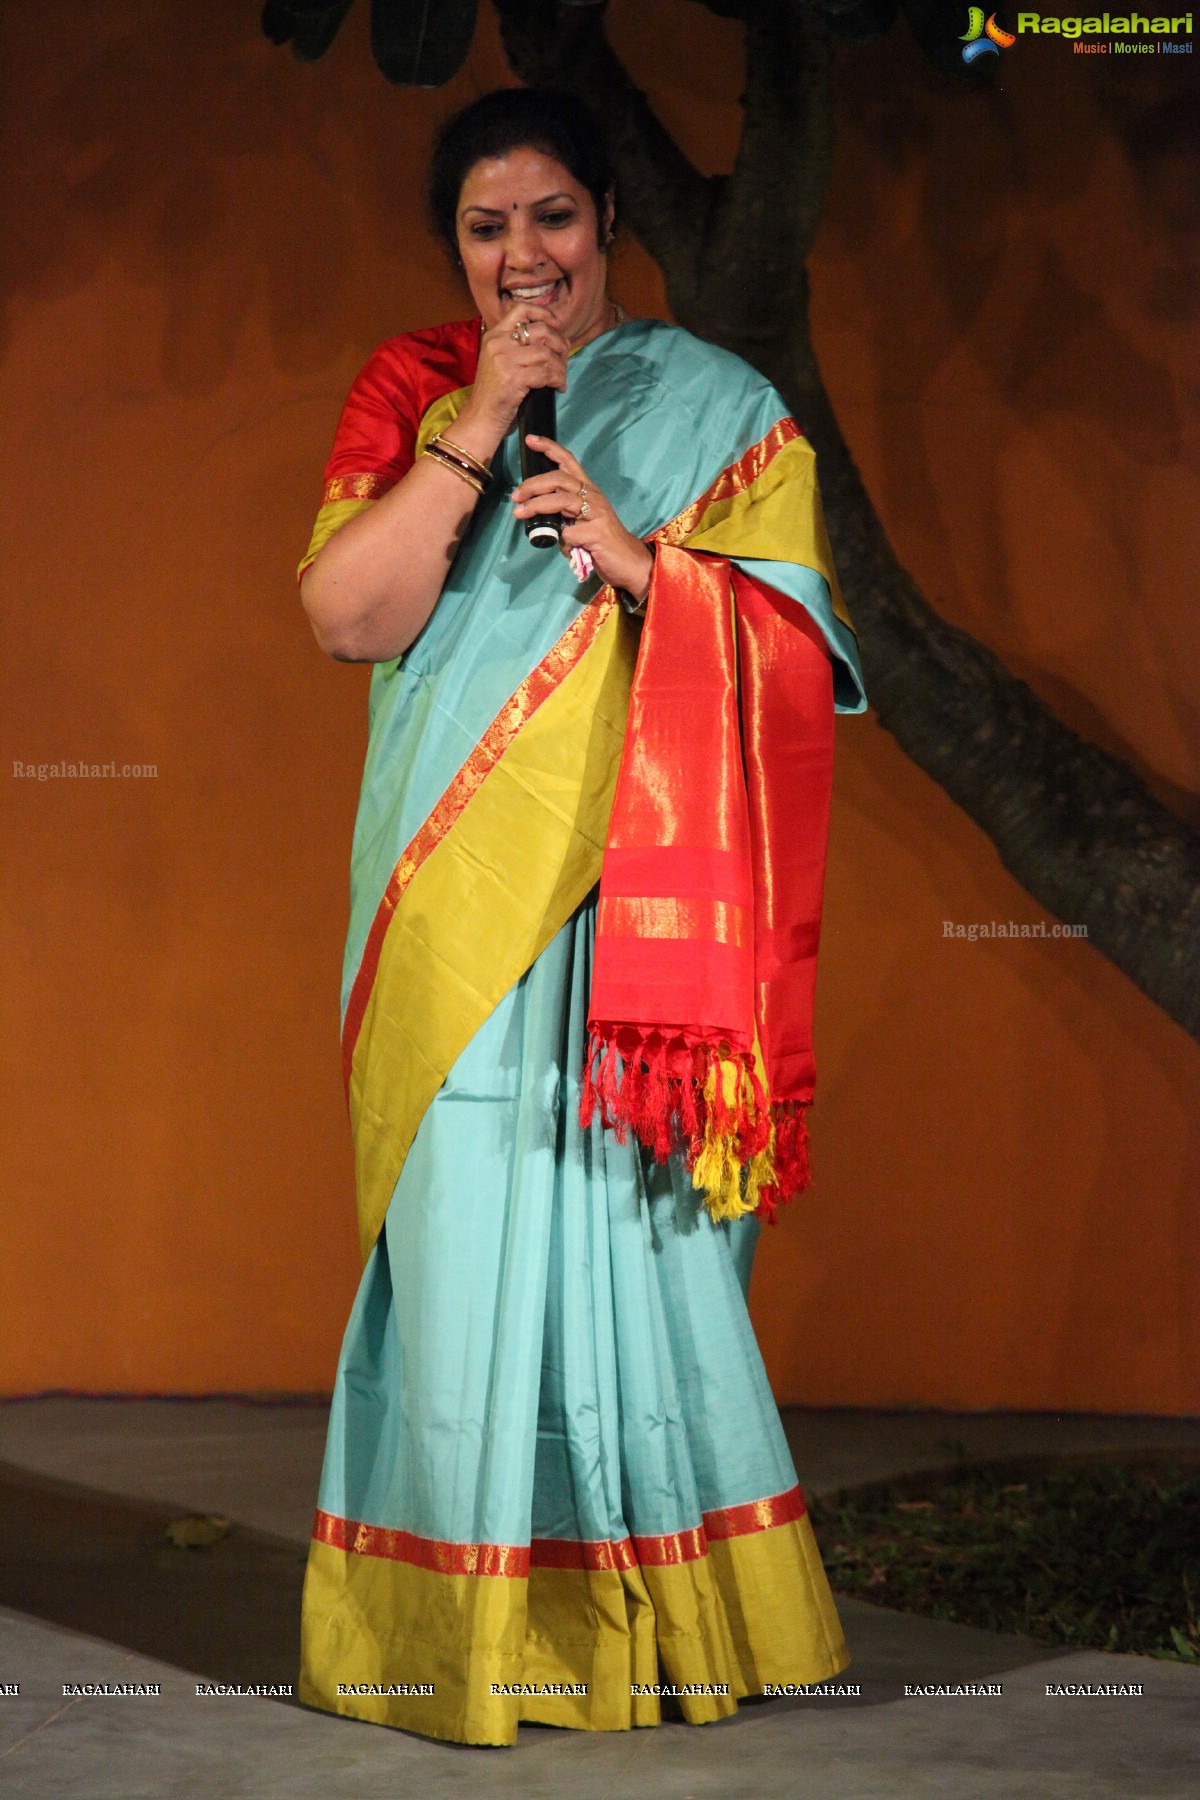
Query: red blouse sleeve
x,y
375,442
376,437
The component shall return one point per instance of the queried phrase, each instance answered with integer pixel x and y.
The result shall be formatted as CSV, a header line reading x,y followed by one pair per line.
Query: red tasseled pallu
x,y
710,897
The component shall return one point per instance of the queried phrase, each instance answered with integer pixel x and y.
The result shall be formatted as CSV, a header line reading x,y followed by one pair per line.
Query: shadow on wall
x,y
1043,237
179,150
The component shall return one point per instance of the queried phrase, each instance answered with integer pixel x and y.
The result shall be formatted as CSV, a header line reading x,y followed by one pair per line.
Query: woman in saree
x,y
585,900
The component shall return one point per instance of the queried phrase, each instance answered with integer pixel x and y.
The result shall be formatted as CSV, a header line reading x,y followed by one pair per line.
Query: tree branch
x,y
1072,824
785,154
769,209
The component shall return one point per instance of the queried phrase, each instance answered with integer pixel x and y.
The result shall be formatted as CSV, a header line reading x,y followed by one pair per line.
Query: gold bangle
x,y
480,477
481,469
434,449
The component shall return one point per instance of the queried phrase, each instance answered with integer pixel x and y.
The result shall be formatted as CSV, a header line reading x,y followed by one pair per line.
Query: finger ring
x,y
584,508
520,332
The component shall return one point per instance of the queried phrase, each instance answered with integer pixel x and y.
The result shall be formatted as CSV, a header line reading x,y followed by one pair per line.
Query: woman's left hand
x,y
621,559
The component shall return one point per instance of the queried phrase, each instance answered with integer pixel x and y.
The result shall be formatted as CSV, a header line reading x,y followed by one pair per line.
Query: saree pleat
x,y
553,1428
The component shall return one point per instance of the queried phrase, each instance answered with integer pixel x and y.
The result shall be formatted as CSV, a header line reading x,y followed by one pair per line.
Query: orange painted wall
x,y
206,240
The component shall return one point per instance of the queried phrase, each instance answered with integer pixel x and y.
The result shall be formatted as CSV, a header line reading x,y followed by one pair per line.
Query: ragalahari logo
x,y
983,38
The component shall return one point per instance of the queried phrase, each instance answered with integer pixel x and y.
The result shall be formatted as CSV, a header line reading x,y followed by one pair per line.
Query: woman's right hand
x,y
509,367
375,583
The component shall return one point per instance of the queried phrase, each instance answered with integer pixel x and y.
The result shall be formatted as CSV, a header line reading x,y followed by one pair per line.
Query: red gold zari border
x,y
356,487
424,1553
734,480
558,1553
515,713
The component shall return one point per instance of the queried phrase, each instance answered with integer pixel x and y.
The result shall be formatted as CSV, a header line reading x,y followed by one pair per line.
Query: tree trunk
x,y
1074,825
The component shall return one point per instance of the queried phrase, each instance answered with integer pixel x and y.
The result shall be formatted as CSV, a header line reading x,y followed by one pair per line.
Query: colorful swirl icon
x,y
984,37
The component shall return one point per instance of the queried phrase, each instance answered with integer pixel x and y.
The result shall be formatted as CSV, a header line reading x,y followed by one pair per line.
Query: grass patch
x,y
1100,1556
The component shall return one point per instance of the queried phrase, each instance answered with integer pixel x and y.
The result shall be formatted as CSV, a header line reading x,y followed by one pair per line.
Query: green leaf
x,y
198,1531
309,26
421,43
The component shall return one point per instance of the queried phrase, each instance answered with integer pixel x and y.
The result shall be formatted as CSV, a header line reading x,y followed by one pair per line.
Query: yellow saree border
x,y
467,1656
394,1644
511,850
516,712
439,414
765,505
734,479
333,515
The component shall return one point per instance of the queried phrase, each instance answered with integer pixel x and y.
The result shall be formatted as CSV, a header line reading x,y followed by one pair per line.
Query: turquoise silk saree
x,y
556,1486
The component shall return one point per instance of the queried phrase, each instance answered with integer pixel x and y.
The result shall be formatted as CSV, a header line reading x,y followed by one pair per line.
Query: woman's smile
x,y
528,236
546,294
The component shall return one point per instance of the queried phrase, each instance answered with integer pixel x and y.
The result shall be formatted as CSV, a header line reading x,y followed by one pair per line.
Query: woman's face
x,y
527,235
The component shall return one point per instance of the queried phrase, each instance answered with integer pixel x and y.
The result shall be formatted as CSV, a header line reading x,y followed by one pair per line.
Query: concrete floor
x,y
91,1591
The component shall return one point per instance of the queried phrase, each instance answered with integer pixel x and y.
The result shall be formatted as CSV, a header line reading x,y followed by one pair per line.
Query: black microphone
x,y
536,413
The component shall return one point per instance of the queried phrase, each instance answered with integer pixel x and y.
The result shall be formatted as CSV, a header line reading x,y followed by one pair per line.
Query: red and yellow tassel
x,y
746,1154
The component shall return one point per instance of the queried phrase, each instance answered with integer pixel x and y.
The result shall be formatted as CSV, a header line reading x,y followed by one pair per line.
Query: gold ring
x,y
584,508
